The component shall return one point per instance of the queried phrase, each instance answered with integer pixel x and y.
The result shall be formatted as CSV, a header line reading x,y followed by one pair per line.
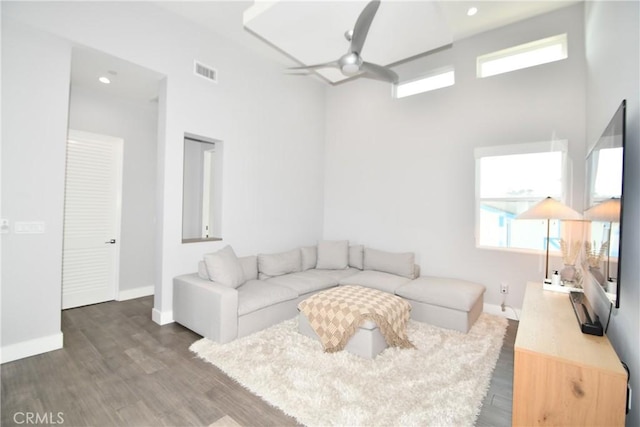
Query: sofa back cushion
x,y
309,257
379,280
270,265
399,263
224,267
333,254
202,271
356,256
249,267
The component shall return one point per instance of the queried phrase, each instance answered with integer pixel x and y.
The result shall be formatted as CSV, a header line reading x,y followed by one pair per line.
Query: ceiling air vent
x,y
205,71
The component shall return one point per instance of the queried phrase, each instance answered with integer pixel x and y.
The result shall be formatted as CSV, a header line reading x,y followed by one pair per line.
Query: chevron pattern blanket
x,y
336,314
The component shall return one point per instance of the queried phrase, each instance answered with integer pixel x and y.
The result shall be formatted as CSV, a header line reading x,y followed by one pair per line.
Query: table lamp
x,y
549,209
606,211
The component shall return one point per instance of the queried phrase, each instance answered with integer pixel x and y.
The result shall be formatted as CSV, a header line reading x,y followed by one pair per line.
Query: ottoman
x,y
367,342
444,302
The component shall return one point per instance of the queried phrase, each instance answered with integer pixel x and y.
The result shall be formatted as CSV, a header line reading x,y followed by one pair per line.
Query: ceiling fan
x,y
351,63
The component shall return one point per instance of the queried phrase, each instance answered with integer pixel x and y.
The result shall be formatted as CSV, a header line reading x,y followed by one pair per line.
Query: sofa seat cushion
x,y
444,292
256,294
335,275
304,282
376,279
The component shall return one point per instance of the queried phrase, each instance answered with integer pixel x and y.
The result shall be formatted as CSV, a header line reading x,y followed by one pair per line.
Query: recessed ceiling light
x,y
472,11
104,80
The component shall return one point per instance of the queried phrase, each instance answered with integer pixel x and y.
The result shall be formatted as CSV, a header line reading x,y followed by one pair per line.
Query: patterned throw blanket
x,y
337,313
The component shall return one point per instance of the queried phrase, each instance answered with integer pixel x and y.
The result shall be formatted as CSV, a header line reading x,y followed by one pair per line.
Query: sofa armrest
x,y
207,308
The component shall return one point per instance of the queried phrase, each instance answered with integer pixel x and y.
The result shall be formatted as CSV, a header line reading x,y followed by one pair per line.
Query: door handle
x,y
111,242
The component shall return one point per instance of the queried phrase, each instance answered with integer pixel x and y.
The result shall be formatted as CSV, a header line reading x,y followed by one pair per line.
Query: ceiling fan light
x,y
350,69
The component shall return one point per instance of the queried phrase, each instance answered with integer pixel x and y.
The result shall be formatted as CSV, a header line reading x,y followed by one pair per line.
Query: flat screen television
x,y
604,205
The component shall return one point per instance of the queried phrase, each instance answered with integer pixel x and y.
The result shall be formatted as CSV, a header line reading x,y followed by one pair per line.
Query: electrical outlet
x,y
504,288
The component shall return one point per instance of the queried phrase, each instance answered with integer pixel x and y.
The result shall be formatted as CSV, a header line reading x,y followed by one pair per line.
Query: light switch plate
x,y
31,227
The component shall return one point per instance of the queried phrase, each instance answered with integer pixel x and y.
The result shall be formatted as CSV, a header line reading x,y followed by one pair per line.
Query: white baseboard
x,y
509,312
32,347
142,291
162,317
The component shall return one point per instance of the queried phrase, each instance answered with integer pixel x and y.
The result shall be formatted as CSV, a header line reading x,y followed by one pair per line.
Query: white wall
x,y
34,132
136,122
613,74
400,173
272,126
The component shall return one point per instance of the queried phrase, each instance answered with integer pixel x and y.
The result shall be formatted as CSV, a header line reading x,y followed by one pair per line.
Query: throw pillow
x,y
224,267
309,257
202,271
280,263
401,264
333,254
356,256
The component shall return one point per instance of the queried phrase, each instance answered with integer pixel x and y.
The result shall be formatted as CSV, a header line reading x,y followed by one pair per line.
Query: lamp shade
x,y
607,211
550,208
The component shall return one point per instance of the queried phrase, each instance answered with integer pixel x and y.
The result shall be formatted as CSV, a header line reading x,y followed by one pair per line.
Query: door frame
x,y
118,145
209,162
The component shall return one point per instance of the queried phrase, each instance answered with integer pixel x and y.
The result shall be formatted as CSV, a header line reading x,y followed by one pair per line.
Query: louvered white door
x,y
91,219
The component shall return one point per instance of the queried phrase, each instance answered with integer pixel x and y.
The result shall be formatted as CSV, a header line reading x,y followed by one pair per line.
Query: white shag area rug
x,y
440,383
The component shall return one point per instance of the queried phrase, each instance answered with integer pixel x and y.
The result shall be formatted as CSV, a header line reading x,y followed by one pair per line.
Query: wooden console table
x,y
561,376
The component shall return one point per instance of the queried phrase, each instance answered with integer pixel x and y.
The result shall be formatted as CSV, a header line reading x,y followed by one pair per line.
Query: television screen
x,y
605,166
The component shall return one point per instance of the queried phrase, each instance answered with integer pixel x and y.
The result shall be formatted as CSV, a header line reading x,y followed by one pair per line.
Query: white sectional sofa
x,y
232,297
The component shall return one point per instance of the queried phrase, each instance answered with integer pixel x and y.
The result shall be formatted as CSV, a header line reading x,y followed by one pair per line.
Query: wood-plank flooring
x,y
118,368
496,407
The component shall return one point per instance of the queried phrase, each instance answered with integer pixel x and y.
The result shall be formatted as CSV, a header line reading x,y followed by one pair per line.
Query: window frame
x,y
515,149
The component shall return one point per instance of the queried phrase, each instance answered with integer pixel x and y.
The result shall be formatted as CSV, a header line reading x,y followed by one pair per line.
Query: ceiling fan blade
x,y
332,64
302,73
363,23
378,72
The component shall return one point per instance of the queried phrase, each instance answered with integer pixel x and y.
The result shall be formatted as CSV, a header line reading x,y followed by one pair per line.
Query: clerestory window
x,y
526,55
437,79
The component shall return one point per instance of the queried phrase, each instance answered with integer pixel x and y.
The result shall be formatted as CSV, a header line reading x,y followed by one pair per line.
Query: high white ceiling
x,y
296,32
313,32
128,80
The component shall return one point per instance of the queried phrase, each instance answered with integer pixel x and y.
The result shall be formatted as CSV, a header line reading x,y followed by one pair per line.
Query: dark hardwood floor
x,y
496,407
118,368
